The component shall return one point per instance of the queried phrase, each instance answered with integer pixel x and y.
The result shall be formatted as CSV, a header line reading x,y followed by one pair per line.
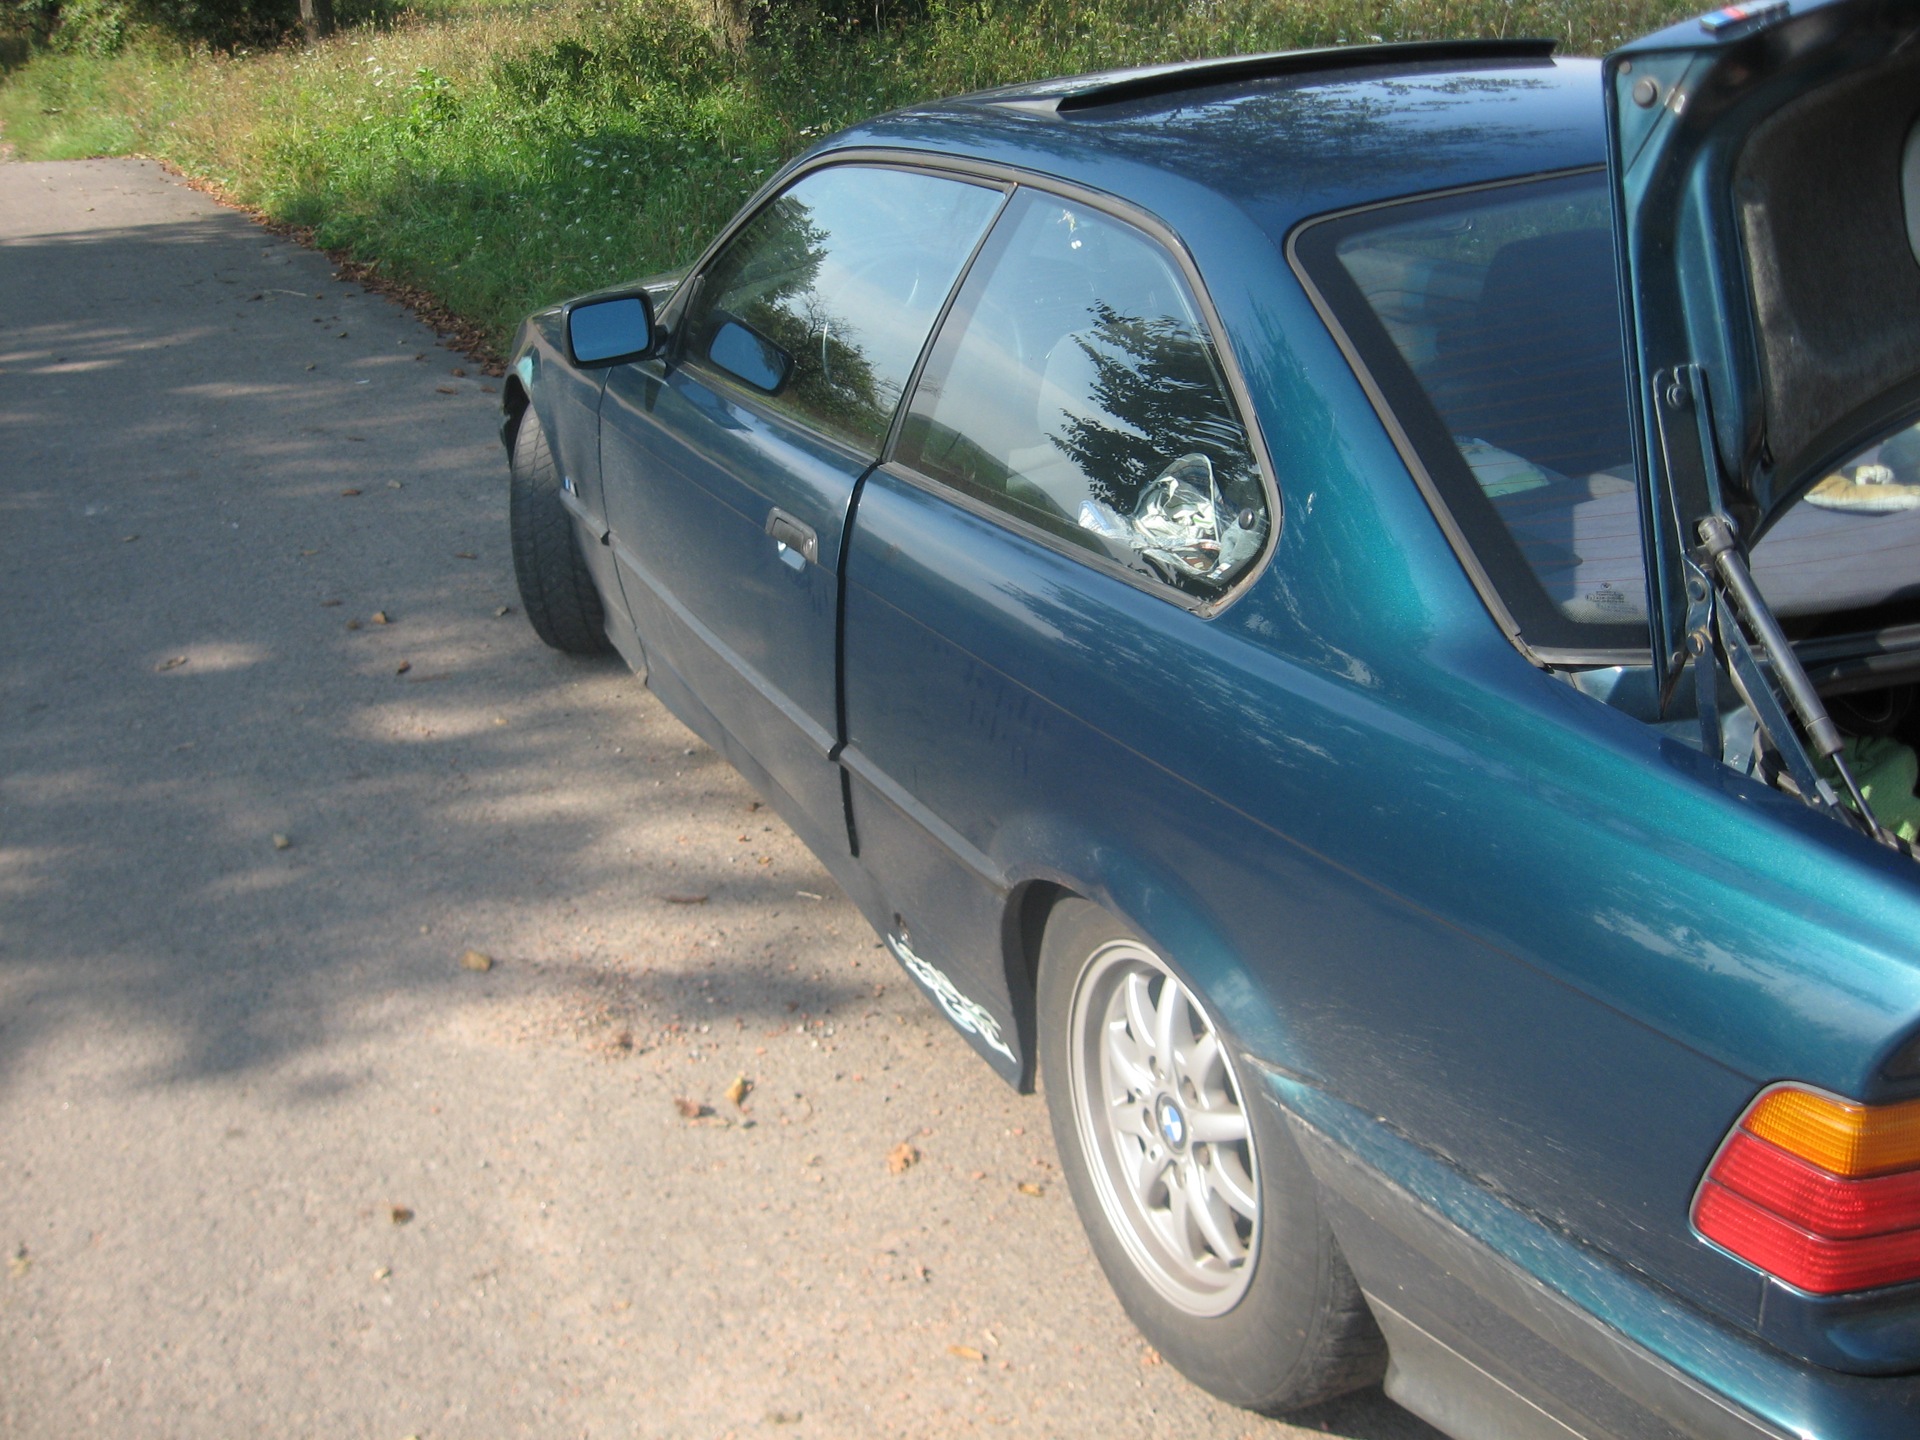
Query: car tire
x,y
1247,1294
556,588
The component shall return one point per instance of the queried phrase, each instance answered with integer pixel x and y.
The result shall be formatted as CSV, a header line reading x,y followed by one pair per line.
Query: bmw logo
x,y
1173,1124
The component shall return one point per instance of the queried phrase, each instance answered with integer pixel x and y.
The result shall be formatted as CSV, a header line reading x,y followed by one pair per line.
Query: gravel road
x,y
276,749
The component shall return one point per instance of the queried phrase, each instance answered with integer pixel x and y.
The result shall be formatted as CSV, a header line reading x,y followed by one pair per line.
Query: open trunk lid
x,y
1766,172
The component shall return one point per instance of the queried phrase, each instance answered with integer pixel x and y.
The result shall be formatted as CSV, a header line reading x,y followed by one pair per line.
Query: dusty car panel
x,y
1505,949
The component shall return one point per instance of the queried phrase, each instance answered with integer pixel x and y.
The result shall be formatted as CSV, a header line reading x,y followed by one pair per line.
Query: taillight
x,y
1823,1193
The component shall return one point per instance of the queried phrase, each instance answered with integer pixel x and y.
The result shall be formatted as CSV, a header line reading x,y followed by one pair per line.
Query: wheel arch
x,y
1158,908
514,404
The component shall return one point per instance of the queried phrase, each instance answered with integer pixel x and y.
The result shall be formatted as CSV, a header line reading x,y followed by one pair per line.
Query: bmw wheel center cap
x,y
1173,1125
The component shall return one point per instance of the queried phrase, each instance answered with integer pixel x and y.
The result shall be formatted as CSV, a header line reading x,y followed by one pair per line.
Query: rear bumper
x,y
1501,1327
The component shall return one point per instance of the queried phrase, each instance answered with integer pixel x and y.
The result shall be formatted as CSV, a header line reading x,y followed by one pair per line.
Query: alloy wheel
x,y
1163,1121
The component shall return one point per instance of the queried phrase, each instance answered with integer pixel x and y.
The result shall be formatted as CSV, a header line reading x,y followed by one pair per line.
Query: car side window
x,y
1076,387
821,303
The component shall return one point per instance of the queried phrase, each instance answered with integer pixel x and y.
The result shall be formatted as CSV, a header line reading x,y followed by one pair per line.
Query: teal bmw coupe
x,y
1354,617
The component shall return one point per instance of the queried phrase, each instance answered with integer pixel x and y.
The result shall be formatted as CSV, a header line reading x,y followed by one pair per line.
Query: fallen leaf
x,y
403,667
312,367
448,389
1027,1187
281,842
343,334
738,1091
699,899
383,1272
464,555
476,960
901,1158
309,552
400,1214
380,618
1149,1356
348,493
458,371
172,662
965,1352
691,1109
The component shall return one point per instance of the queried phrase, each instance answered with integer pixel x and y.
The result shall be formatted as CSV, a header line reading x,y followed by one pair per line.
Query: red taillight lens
x,y
1823,1193
1811,1262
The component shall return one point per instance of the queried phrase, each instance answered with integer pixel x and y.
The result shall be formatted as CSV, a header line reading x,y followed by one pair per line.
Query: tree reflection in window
x,y
1077,389
842,275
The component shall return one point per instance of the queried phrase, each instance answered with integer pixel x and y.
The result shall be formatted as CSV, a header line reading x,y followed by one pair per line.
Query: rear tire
x,y
556,588
1216,1246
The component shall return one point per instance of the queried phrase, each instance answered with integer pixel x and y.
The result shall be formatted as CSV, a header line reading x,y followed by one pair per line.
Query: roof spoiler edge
x,y
1170,79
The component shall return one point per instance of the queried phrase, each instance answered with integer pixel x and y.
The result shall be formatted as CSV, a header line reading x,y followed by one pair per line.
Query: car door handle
x,y
793,534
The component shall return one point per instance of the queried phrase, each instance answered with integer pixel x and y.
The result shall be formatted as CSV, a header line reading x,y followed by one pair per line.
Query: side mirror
x,y
610,330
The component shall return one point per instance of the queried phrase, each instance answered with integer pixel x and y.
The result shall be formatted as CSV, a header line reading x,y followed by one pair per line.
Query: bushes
x,y
503,155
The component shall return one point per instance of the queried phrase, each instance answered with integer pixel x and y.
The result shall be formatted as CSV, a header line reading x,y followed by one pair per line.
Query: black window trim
x,y
758,402
1543,656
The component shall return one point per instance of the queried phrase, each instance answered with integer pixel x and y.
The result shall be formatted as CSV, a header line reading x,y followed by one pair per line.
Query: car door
x,y
1028,580
728,468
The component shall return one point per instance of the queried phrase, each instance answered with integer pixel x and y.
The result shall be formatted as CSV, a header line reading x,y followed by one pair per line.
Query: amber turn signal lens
x,y
1839,1136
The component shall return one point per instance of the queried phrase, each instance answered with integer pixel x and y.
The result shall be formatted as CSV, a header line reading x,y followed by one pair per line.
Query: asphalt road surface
x,y
276,748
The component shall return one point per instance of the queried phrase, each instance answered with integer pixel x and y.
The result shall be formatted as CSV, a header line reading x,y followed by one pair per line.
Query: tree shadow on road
x,y
252,570
276,746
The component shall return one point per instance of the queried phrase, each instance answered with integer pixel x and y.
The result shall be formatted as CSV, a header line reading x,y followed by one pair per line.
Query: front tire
x,y
556,588
1195,1199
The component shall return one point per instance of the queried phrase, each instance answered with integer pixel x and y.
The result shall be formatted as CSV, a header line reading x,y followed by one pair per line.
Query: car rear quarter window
x,y
1076,387
821,303
1490,322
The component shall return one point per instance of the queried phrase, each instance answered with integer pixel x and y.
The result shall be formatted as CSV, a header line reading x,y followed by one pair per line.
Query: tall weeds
x,y
502,153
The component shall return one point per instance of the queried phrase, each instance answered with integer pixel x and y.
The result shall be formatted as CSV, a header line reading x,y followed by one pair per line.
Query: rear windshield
x,y
1491,323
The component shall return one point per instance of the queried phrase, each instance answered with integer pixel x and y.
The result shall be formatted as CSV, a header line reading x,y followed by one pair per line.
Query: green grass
x,y
503,153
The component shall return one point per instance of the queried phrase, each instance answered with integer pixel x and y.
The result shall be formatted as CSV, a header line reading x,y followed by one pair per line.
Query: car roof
x,y
1285,136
